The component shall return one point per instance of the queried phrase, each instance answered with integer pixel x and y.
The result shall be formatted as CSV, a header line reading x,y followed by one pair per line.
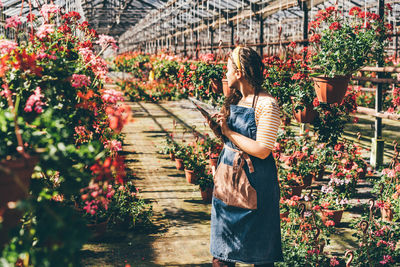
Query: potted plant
x,y
194,167
388,191
206,184
377,242
332,205
342,46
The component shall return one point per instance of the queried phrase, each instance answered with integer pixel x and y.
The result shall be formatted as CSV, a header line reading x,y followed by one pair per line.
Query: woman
x,y
245,223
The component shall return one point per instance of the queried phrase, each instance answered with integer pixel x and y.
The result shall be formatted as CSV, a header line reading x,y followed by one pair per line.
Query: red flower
x,y
298,76
315,38
330,223
389,7
354,10
335,26
315,102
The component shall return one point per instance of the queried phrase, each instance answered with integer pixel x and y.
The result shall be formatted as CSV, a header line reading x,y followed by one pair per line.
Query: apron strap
x,y
255,99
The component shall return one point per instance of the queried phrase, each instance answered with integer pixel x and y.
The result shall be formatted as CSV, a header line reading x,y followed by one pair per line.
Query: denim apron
x,y
250,236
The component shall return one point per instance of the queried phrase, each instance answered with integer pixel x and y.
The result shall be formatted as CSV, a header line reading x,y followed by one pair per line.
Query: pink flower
x,y
386,259
113,145
80,80
13,22
334,261
207,57
193,67
45,30
6,46
48,10
6,92
35,100
112,96
105,40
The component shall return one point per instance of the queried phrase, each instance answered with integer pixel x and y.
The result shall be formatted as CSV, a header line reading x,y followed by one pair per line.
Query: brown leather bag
x,y
231,184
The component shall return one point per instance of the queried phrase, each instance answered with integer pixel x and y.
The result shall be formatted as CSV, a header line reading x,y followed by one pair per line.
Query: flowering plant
x,y
344,45
388,190
377,243
54,82
331,119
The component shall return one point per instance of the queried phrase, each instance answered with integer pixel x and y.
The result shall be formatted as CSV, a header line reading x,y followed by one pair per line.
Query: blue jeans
x,y
220,263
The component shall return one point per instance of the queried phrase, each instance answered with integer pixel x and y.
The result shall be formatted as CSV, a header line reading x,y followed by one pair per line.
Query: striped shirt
x,y
267,120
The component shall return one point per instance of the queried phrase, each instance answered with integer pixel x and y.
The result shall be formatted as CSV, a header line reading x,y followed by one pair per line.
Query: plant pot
x,y
213,162
216,86
320,174
207,194
334,215
172,156
331,90
97,229
387,214
307,181
296,190
14,186
225,87
307,115
179,164
190,176
284,215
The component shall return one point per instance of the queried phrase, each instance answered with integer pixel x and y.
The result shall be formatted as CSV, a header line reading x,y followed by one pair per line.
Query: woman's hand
x,y
221,119
214,126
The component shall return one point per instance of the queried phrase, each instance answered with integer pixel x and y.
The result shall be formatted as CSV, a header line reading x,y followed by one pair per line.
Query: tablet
x,y
205,113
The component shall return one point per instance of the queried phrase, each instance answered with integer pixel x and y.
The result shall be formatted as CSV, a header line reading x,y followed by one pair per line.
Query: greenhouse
x,y
200,133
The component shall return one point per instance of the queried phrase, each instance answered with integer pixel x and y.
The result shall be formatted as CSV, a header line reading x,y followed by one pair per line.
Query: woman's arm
x,y
246,144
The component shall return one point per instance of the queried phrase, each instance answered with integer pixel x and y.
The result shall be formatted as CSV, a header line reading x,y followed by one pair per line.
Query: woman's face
x,y
231,74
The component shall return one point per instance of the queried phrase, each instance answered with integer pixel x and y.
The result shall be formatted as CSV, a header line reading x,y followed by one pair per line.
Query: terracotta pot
x,y
179,164
97,229
307,115
334,215
172,156
387,214
225,87
216,86
320,173
14,186
296,190
331,90
307,181
190,176
213,162
207,194
284,215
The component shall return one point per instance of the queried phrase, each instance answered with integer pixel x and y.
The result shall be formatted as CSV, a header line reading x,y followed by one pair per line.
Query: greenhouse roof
x,y
141,21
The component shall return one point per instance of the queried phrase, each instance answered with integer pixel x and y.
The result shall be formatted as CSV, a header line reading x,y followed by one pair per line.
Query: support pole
x,y
304,126
184,46
197,44
378,143
232,33
212,39
261,37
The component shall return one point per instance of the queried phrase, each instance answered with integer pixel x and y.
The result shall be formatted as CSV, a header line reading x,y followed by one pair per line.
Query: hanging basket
x,y
387,214
226,88
331,90
307,115
15,178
